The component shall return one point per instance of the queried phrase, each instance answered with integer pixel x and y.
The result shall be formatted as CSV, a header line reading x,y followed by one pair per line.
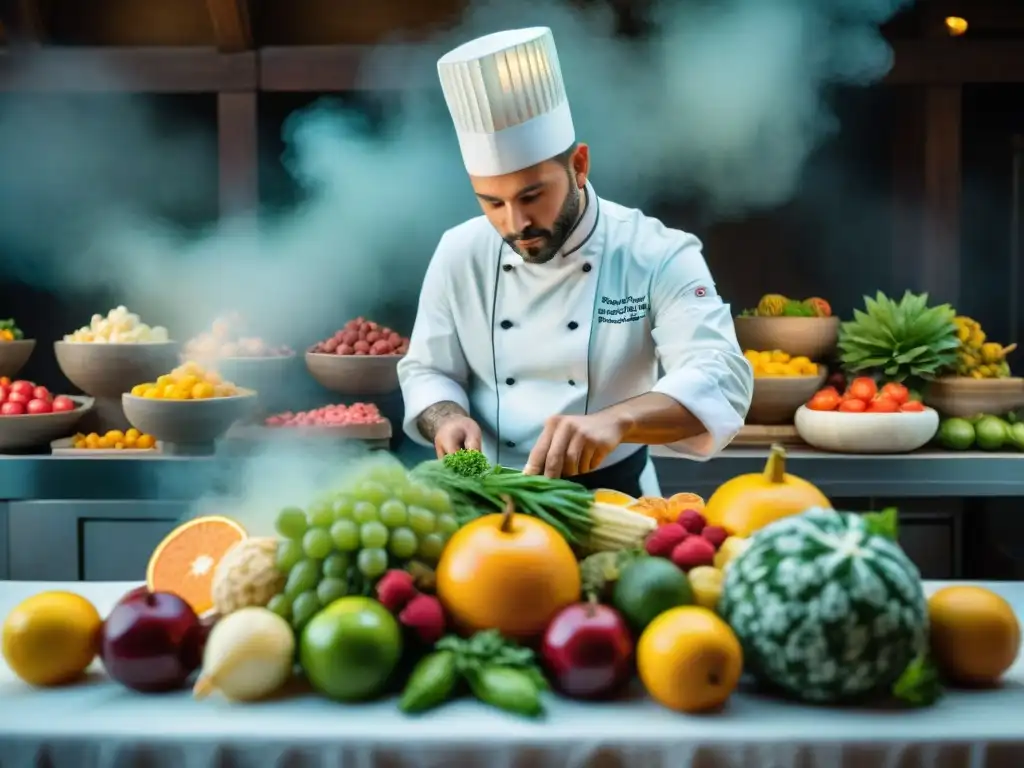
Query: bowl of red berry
x,y
30,415
359,359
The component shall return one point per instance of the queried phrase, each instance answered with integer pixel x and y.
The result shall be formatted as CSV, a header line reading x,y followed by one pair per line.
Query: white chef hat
x,y
507,99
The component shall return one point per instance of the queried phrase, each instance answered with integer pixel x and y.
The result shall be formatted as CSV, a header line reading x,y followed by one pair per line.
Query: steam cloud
x,y
724,103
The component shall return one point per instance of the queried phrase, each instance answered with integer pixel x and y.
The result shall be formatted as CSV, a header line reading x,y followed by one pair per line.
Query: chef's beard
x,y
554,238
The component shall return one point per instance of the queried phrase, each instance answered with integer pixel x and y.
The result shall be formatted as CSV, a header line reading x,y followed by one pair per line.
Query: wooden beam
x,y
337,68
238,155
957,61
24,22
232,26
138,70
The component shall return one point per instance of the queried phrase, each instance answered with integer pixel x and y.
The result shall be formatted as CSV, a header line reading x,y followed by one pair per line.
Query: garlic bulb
x,y
249,655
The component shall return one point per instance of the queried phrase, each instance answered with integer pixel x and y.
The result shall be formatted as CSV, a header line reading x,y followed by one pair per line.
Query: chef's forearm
x,y
654,419
433,417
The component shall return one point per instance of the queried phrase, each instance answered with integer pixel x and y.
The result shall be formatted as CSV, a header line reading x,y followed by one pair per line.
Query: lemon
x,y
51,638
609,496
706,585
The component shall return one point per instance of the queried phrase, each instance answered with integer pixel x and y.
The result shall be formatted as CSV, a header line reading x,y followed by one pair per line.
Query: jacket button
x,y
507,267
572,383
587,267
506,324
510,444
510,381
573,325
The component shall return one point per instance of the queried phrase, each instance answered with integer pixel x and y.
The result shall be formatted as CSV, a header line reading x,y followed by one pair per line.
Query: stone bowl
x,y
14,355
874,433
187,425
31,430
811,337
355,374
110,370
964,397
776,398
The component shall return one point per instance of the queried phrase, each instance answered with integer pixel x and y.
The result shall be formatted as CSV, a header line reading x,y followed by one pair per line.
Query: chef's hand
x,y
574,445
455,433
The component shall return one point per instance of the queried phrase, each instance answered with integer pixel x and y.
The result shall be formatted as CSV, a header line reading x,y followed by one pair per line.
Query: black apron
x,y
623,476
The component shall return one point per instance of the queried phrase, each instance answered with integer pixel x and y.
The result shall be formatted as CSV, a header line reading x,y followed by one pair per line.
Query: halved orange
x,y
184,562
611,496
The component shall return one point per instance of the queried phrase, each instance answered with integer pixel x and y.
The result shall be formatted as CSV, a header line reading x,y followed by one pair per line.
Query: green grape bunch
x,y
344,541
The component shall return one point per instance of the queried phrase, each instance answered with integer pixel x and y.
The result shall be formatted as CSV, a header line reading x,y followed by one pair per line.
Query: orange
x,y
975,635
51,638
689,660
184,562
609,496
507,572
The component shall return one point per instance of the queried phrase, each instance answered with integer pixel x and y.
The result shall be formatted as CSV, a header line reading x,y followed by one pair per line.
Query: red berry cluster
x,y
689,542
420,613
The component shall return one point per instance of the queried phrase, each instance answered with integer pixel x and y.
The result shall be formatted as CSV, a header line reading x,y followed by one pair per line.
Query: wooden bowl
x,y
811,337
841,432
35,429
187,422
966,397
776,398
109,370
14,355
355,374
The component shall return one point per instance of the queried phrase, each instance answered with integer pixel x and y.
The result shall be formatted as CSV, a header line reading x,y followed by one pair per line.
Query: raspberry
x,y
664,539
692,520
692,552
424,616
395,589
716,534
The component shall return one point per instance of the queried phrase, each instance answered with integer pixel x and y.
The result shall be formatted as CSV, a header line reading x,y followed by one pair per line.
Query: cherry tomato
x,y
862,388
852,405
883,404
824,401
912,406
896,391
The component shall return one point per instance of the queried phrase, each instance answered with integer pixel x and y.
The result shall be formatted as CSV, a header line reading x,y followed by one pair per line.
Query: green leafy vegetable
x,y
920,684
884,523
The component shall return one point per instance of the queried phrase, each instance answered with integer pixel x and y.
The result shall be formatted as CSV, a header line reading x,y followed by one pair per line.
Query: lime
x,y
991,433
957,434
1017,435
350,648
647,588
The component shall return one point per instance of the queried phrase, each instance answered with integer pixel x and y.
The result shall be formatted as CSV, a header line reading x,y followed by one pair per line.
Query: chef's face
x,y
536,209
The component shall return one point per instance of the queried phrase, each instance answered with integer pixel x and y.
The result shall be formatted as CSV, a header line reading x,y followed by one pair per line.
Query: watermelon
x,y
827,610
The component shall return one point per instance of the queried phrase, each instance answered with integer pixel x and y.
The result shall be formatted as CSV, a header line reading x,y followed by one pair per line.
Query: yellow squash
x,y
750,502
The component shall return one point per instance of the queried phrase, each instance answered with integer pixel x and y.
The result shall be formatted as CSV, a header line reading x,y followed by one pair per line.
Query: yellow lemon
x,y
51,638
609,496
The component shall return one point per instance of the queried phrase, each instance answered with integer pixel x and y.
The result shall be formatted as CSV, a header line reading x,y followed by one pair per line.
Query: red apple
x,y
5,390
11,408
587,650
152,641
42,393
19,397
23,387
63,403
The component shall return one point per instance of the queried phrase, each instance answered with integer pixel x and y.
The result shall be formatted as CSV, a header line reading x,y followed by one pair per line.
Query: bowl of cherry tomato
x,y
866,418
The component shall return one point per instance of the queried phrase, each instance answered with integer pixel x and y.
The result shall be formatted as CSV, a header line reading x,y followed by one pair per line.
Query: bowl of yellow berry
x,y
190,407
115,442
782,383
113,352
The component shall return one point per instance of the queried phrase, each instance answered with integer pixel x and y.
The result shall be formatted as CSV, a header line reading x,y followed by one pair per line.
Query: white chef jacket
x,y
514,343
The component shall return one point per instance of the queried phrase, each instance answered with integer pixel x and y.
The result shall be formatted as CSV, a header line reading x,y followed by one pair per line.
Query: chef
x,y
542,323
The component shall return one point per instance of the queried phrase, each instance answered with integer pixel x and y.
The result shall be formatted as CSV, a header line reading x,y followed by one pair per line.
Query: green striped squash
x,y
826,610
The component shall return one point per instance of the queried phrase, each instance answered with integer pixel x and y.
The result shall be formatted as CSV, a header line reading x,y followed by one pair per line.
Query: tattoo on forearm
x,y
431,419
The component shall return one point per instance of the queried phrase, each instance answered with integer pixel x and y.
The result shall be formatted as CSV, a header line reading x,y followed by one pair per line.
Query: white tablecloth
x,y
101,725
